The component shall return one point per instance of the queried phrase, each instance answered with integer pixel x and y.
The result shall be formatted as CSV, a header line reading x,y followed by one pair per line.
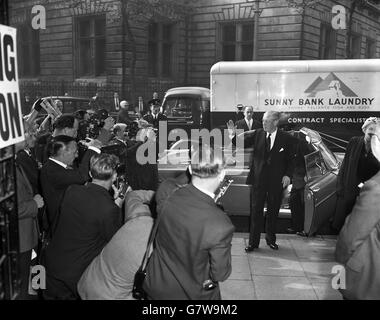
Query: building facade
x,y
81,51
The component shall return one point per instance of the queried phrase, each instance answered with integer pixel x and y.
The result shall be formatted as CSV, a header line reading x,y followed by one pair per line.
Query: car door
x,y
320,193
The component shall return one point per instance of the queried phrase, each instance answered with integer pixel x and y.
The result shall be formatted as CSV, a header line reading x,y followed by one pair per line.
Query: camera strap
x,y
155,228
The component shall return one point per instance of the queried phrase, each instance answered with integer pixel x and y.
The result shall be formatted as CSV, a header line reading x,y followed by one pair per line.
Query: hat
x,y
154,102
370,120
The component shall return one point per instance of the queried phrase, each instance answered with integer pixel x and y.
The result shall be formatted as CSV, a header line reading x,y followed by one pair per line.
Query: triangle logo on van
x,y
331,86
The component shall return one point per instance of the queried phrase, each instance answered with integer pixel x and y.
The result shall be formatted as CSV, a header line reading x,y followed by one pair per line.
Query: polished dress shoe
x,y
250,248
290,231
273,245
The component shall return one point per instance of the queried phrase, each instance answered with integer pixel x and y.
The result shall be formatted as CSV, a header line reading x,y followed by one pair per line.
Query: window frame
x,y
355,35
238,43
368,54
31,57
327,42
157,67
93,38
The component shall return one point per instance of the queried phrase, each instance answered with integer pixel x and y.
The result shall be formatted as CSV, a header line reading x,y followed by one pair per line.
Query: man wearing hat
x,y
359,165
156,116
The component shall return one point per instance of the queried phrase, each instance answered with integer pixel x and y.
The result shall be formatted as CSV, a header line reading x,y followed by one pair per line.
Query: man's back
x,y
88,220
193,243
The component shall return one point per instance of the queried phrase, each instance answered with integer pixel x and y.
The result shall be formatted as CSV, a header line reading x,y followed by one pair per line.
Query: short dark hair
x,y
66,120
207,162
103,166
58,143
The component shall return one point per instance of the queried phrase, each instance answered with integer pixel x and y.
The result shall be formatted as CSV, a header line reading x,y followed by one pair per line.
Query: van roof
x,y
204,92
296,66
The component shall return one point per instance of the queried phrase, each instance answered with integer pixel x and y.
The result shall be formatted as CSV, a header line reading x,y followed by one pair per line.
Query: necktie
x,y
268,143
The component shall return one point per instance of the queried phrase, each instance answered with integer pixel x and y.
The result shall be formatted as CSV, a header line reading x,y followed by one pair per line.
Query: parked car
x,y
71,104
320,192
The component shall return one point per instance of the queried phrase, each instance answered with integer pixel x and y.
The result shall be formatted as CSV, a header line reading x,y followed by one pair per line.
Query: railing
x,y
87,88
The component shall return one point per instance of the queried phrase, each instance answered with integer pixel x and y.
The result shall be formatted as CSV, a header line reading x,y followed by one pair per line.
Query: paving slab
x,y
237,290
299,270
240,269
275,266
283,288
325,291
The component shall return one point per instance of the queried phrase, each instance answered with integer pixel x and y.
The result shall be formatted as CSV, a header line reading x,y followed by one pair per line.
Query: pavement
x,y
299,270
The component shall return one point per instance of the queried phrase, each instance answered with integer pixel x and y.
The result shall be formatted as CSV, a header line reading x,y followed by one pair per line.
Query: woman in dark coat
x,y
359,165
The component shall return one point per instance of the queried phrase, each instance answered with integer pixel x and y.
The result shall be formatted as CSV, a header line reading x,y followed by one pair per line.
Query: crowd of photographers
x,y
78,181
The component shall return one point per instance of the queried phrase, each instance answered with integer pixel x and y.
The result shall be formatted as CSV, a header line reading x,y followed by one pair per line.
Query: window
x,y
29,51
327,42
355,45
91,43
236,41
160,49
370,50
182,107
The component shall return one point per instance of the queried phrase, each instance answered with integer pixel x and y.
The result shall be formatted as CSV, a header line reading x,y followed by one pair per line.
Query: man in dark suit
x,y
193,241
156,116
89,217
270,171
57,173
248,123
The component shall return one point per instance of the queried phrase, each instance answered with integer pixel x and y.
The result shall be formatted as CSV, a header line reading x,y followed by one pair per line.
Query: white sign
x,y
298,92
11,126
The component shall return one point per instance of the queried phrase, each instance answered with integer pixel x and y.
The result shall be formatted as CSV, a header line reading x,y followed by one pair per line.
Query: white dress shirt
x,y
210,194
249,123
59,163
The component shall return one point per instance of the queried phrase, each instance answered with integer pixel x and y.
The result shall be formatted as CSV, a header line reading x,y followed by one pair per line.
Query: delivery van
x,y
187,108
333,97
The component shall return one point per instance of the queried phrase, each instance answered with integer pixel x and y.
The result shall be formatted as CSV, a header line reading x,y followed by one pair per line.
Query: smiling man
x,y
270,171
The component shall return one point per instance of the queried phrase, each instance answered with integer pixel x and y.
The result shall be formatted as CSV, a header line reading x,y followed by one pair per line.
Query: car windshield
x,y
181,107
72,106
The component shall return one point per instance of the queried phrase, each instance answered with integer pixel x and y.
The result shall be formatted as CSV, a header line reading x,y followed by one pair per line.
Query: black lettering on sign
x,y
4,125
9,61
14,115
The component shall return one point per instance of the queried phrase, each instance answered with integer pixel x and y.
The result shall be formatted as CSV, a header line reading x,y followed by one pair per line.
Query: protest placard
x,y
11,126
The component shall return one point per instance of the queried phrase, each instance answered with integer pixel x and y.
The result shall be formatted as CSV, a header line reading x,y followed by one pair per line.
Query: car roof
x,y
204,92
67,98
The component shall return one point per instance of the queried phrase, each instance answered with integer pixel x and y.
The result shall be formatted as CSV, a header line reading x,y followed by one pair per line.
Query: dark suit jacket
x,y
280,161
155,122
30,166
140,176
193,244
55,179
242,124
89,218
358,244
347,181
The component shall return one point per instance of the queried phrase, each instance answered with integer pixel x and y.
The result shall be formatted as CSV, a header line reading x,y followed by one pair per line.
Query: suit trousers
x,y
25,262
270,194
297,208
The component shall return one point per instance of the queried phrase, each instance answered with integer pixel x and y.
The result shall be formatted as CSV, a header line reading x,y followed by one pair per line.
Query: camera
x,y
209,285
96,122
132,129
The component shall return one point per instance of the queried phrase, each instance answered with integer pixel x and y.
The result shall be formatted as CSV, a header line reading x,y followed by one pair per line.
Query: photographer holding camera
x,y
88,219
